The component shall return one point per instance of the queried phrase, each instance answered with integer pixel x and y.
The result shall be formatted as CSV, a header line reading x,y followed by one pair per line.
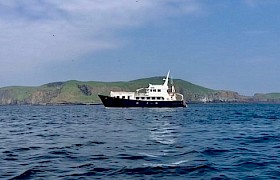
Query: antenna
x,y
172,85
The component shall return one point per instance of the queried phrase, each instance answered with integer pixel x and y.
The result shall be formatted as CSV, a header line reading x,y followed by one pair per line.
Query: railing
x,y
181,95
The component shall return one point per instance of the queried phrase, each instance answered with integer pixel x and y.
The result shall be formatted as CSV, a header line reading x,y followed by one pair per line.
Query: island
x,y
86,93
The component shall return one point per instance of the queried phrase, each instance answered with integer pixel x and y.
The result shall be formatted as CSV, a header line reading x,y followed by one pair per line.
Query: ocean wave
x,y
262,139
27,174
213,152
164,169
133,157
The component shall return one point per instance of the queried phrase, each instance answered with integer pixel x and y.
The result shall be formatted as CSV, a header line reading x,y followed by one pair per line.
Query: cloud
x,y
34,33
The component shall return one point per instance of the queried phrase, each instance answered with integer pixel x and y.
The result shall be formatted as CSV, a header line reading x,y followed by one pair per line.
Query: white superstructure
x,y
152,93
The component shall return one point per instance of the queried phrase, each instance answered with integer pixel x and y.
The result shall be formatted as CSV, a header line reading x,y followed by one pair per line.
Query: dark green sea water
x,y
232,141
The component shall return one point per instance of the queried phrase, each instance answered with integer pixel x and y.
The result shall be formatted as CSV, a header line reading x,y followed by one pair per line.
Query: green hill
x,y
272,95
269,97
78,92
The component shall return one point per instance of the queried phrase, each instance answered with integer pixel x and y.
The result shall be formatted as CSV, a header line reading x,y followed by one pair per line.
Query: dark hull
x,y
116,102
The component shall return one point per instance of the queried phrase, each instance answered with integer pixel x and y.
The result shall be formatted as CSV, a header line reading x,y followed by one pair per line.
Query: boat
x,y
153,96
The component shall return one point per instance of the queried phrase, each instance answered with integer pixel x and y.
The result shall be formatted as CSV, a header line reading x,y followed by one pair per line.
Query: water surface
x,y
89,142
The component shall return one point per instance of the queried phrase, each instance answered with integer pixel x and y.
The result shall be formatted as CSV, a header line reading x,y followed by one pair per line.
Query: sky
x,y
219,44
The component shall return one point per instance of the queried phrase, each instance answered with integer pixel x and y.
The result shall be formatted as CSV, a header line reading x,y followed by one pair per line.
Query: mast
x,y
166,79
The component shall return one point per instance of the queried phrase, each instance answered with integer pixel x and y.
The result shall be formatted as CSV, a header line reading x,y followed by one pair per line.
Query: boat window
x,y
118,96
148,98
137,97
151,90
162,98
123,97
154,90
159,90
158,98
142,97
128,97
153,98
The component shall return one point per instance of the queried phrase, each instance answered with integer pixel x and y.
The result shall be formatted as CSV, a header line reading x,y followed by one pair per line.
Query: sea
x,y
202,141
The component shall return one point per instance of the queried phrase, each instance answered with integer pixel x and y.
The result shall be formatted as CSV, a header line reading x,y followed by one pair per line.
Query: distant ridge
x,y
79,92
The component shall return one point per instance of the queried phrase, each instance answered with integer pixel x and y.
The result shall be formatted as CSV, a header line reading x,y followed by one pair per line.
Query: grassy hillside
x,y
87,92
179,84
269,97
272,95
15,94
84,92
72,93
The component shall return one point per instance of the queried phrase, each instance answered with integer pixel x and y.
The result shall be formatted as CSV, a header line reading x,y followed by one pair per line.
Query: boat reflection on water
x,y
163,131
